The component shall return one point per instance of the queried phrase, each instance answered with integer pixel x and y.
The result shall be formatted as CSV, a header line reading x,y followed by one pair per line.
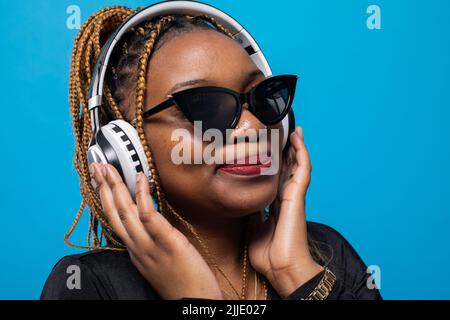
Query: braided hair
x,y
127,70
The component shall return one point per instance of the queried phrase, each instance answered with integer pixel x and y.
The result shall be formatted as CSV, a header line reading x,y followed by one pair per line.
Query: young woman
x,y
205,238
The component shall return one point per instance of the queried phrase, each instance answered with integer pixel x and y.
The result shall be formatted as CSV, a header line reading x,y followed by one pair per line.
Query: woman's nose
x,y
248,124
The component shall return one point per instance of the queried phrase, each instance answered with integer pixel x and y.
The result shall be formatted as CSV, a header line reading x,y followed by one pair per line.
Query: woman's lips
x,y
247,168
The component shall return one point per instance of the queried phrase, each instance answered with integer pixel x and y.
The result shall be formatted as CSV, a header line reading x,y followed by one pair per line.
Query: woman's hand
x,y
162,254
278,247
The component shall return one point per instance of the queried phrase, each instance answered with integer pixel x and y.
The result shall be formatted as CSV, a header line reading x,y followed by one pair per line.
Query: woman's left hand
x,y
278,247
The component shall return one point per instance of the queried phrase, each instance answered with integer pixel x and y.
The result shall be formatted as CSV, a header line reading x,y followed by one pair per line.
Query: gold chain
x,y
244,272
212,261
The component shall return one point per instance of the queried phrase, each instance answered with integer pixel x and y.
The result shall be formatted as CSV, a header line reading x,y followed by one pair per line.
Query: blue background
x,y
374,105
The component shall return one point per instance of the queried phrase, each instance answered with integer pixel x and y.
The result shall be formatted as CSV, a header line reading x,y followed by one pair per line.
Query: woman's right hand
x,y
161,253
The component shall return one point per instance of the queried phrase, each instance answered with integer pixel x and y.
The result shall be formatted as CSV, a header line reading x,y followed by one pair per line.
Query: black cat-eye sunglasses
x,y
220,108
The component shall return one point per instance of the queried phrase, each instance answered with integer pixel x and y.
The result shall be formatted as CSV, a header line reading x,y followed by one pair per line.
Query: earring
x,y
265,214
152,186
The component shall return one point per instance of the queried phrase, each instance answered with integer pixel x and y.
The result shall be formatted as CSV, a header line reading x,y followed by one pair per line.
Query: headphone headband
x,y
166,8
117,142
192,8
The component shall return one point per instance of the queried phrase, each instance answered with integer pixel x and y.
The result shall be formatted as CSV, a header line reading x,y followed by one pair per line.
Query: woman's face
x,y
203,58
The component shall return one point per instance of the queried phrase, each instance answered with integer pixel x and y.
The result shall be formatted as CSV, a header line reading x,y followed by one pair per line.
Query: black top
x,y
112,275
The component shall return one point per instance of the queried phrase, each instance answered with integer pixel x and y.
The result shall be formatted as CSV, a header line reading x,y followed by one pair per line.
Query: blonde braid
x,y
140,98
84,55
164,206
87,48
99,28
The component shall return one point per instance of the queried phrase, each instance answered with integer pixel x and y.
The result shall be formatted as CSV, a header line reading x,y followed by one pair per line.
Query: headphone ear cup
x,y
121,147
288,124
291,122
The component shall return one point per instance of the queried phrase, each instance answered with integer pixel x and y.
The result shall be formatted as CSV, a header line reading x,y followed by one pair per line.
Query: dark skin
x,y
217,204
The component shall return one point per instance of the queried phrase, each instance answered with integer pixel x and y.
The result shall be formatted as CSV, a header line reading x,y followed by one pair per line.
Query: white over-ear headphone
x,y
117,142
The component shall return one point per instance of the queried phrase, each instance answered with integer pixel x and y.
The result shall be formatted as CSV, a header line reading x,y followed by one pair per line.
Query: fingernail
x,y
104,170
91,169
139,177
94,183
299,132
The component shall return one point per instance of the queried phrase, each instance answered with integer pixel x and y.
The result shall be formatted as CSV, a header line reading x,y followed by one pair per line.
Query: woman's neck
x,y
223,237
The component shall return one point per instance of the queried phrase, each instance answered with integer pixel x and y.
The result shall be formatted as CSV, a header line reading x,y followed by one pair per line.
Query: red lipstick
x,y
247,168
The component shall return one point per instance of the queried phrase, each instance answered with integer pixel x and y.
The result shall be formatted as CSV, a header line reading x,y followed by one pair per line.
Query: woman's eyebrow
x,y
187,83
249,77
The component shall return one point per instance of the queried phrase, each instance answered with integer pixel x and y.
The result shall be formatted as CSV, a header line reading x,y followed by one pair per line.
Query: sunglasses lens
x,y
215,109
218,109
273,98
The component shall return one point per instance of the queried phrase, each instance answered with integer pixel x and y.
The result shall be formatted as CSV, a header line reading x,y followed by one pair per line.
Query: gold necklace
x,y
256,284
212,260
266,295
244,276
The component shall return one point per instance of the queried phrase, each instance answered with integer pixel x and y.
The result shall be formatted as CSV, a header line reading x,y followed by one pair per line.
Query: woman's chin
x,y
244,203
240,196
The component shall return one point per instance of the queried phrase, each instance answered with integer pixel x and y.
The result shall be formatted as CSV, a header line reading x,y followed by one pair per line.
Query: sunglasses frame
x,y
241,98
